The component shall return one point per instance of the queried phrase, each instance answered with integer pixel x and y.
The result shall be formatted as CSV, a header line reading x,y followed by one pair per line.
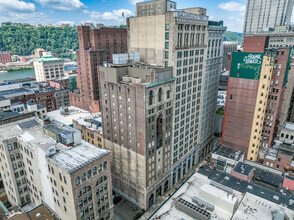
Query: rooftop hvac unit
x,y
64,110
192,210
203,204
136,80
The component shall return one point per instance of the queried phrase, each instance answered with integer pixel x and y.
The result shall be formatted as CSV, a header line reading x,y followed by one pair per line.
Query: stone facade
x,y
137,111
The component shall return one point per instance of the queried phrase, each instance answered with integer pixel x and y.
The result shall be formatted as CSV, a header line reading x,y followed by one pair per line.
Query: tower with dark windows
x,y
137,109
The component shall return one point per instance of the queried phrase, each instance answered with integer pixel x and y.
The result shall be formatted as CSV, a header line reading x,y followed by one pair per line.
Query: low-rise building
x,y
91,129
218,195
62,98
5,57
67,115
280,156
51,165
225,158
5,104
48,67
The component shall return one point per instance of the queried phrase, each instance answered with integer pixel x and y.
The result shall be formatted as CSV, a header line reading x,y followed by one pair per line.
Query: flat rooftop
x,y
288,126
190,189
228,152
7,115
254,207
41,213
74,113
242,186
92,122
244,169
15,92
72,159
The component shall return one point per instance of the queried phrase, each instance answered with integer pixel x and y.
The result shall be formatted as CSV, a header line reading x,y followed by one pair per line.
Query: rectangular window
x,y
166,45
166,55
166,35
166,26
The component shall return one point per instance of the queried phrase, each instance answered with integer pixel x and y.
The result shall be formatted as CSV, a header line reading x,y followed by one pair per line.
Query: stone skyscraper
x,y
261,15
166,36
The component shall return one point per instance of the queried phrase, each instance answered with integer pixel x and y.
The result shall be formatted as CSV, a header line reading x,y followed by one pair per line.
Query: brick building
x,y
96,46
5,57
47,99
248,89
279,78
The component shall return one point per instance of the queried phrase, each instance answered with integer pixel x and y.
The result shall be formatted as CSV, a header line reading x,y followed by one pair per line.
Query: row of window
x,y
90,173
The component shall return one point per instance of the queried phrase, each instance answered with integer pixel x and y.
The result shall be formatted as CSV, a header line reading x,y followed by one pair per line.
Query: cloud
x,y
234,24
232,6
134,2
108,18
64,5
20,12
16,6
115,15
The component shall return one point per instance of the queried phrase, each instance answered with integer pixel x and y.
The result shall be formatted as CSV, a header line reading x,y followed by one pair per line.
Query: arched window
x,y
105,165
160,94
159,132
150,97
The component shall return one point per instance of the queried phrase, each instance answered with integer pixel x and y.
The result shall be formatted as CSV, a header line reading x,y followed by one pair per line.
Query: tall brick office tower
x,y
96,46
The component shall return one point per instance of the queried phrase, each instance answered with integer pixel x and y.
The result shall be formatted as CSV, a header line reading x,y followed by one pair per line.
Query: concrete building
x,y
137,109
67,115
91,129
225,158
228,48
5,57
30,106
48,67
211,80
5,104
51,164
247,96
166,36
39,52
96,46
262,16
62,98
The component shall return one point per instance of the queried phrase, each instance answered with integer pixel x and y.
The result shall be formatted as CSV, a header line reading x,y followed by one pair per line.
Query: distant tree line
x,y
22,39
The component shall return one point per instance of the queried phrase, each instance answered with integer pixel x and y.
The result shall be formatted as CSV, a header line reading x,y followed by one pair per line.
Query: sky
x,y
109,12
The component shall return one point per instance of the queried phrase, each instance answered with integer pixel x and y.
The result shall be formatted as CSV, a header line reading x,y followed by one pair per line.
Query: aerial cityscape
x,y
150,110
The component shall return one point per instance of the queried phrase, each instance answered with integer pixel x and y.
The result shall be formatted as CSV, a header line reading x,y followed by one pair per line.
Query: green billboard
x,y
246,65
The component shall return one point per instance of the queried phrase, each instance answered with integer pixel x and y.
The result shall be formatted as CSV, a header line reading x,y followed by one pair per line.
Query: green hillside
x,y
233,36
23,39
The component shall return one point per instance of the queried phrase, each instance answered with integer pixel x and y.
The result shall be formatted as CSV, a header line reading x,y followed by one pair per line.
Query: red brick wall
x,y
103,43
5,58
255,44
239,113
